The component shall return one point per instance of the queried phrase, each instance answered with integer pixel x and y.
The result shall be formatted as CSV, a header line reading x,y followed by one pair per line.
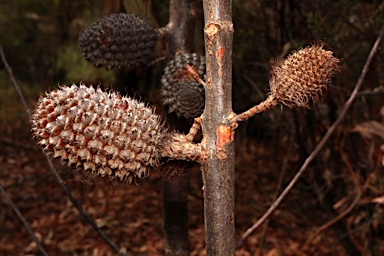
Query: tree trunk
x,y
218,171
176,217
175,192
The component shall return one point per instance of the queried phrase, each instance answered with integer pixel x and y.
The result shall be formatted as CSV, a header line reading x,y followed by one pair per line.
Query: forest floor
x,y
131,214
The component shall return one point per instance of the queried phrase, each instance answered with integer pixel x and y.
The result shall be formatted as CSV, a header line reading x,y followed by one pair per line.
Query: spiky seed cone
x,y
180,91
100,132
119,40
301,78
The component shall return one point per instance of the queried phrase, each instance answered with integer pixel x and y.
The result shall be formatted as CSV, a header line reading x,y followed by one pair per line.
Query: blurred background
x,y
345,182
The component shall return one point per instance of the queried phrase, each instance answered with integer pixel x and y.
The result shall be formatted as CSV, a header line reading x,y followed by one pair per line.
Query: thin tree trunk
x,y
175,192
218,171
176,217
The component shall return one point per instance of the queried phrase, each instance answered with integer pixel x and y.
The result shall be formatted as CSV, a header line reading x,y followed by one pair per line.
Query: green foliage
x,y
23,17
71,63
12,112
39,31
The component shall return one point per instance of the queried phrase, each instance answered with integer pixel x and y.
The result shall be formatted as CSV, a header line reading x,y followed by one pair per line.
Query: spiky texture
x,y
301,78
103,133
119,40
180,91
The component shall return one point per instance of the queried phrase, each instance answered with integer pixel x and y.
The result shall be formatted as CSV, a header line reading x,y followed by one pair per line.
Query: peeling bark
x,y
218,171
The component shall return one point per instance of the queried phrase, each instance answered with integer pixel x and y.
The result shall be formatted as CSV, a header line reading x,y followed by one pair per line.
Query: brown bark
x,y
181,25
218,171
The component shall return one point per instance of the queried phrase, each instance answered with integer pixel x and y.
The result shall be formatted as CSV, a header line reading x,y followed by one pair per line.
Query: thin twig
x,y
195,74
275,194
348,210
266,223
52,167
150,64
13,80
349,168
165,31
319,146
79,208
374,91
9,200
262,106
333,221
260,94
194,129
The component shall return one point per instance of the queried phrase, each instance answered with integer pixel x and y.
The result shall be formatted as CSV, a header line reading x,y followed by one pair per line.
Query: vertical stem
x,y
218,171
181,38
176,217
182,18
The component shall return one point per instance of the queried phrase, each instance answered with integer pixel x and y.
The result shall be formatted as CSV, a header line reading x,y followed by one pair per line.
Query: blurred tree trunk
x,y
176,216
175,192
218,171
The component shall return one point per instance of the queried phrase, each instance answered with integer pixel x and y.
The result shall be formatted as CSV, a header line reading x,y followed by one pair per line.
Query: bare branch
x,y
177,146
27,226
266,104
333,221
194,129
13,80
195,75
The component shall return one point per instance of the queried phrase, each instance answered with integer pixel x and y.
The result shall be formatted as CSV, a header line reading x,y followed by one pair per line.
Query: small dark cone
x,y
117,41
181,93
102,133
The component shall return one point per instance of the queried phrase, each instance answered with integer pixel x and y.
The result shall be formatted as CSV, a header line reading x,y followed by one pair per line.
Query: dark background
x,y
40,42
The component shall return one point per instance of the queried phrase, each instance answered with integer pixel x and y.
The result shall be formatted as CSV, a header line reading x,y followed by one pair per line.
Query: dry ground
x,y
131,215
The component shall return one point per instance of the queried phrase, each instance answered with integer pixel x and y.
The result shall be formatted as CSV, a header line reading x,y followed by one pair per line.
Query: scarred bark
x,y
218,170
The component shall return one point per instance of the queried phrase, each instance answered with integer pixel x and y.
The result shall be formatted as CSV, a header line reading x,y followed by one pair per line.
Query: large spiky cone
x,y
300,79
103,133
181,92
119,40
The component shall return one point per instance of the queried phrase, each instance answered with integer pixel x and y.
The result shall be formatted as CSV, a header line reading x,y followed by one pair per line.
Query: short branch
x,y
194,129
177,147
266,104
